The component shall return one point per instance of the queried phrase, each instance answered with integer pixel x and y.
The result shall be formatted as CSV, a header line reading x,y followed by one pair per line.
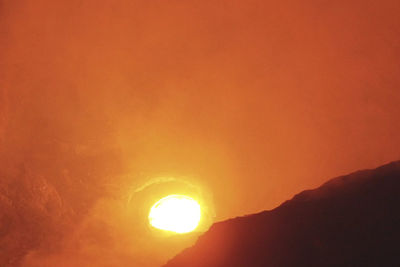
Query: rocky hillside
x,y
351,220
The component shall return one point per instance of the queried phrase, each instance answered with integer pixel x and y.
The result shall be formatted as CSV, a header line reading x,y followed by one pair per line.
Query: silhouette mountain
x,y
351,220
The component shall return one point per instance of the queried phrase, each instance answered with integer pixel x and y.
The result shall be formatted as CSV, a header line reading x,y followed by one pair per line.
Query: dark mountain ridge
x,y
352,220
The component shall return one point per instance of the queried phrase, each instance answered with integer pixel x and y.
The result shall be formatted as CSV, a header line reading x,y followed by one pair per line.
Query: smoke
x,y
116,233
248,103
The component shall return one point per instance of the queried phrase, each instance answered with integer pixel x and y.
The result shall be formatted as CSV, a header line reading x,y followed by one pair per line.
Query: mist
x,y
249,101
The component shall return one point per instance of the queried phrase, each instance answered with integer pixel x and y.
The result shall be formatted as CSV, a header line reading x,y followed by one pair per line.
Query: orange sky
x,y
251,100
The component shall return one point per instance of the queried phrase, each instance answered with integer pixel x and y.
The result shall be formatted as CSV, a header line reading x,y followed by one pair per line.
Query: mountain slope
x,y
351,220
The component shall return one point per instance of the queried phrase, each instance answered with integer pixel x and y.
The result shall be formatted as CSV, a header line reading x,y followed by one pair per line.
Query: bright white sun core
x,y
175,213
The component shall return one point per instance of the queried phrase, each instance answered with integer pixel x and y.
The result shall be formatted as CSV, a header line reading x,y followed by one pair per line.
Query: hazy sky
x,y
253,101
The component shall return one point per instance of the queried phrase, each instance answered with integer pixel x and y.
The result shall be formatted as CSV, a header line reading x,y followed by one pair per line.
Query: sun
x,y
175,213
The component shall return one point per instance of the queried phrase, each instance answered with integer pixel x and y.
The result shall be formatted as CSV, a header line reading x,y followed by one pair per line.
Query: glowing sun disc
x,y
175,213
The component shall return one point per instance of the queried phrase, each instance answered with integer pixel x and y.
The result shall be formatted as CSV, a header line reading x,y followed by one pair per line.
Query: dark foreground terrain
x,y
352,220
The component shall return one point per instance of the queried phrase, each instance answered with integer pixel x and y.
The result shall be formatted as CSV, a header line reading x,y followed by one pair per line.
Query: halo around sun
x,y
175,213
